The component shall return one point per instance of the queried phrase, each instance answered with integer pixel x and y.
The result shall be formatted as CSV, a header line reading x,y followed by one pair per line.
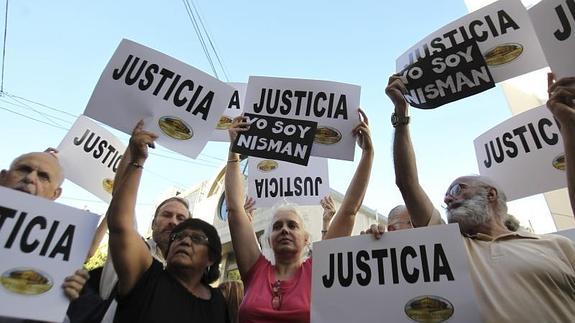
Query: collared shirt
x,y
523,277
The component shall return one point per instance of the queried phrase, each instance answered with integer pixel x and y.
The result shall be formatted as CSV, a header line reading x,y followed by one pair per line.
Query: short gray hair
x,y
488,182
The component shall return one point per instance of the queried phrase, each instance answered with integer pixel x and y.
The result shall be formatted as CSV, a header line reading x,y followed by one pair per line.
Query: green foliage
x,y
98,259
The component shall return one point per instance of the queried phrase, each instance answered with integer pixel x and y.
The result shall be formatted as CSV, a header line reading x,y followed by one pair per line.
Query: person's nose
x,y
448,199
31,177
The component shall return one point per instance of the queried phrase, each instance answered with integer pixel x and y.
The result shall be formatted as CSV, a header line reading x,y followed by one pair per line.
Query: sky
x,y
56,51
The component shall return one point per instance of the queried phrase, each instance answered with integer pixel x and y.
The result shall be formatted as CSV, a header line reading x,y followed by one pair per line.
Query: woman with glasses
x,y
148,292
280,291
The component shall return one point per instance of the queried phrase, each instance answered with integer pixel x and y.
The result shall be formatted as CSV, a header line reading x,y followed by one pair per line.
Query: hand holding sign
x,y
139,143
395,90
561,96
239,124
73,284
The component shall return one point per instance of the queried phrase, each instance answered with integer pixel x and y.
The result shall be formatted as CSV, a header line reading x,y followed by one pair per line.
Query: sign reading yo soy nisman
x,y
446,76
178,102
276,138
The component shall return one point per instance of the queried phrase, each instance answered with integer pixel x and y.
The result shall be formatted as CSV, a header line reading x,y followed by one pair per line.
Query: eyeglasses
x,y
197,238
276,295
456,189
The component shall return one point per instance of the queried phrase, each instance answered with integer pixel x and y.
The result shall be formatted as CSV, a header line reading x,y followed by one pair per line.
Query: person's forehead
x,y
286,215
401,216
192,230
39,160
174,207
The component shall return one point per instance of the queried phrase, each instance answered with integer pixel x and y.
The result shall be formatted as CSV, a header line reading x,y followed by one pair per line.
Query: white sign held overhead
x,y
42,243
554,23
90,155
524,154
334,106
273,181
233,109
416,275
503,32
178,102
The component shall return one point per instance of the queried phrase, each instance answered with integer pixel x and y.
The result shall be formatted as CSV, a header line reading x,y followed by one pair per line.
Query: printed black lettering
x,y
361,257
25,246
440,264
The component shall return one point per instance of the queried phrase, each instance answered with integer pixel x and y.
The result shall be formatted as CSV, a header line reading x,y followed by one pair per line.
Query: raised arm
x,y
244,240
416,200
130,254
344,219
561,103
328,213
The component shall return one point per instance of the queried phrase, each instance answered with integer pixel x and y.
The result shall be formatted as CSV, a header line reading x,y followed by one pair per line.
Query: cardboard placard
x,y
273,181
447,76
408,275
276,138
332,105
234,108
41,242
179,103
523,154
554,23
503,32
90,155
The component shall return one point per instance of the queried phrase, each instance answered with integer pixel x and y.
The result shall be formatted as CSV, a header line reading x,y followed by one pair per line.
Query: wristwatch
x,y
397,120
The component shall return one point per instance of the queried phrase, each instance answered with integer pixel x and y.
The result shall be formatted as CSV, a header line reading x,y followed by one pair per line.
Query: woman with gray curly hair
x,y
281,292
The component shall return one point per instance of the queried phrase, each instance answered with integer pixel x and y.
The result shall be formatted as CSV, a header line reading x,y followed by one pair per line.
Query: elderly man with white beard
x,y
518,276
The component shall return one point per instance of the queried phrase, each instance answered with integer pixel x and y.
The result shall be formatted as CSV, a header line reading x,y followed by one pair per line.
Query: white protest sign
x,y
42,243
554,23
272,181
523,154
419,275
569,233
332,105
90,155
179,103
233,109
503,32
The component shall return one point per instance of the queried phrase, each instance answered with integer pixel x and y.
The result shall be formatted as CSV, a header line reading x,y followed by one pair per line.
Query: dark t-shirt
x,y
158,297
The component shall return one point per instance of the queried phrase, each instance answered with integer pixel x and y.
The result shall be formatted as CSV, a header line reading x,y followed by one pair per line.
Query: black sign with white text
x,y
277,138
447,76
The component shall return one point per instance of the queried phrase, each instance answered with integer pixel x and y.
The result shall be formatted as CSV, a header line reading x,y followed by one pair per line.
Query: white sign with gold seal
x,y
90,155
554,22
503,32
415,275
178,102
334,106
42,243
273,181
233,109
523,154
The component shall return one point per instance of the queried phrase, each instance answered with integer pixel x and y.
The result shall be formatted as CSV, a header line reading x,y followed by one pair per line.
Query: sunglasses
x,y
197,238
276,295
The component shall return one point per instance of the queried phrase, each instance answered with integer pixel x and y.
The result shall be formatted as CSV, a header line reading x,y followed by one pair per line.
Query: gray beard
x,y
470,213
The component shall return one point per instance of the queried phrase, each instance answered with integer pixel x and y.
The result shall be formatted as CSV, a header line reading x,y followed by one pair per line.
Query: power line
x,y
200,36
42,105
4,47
29,117
212,43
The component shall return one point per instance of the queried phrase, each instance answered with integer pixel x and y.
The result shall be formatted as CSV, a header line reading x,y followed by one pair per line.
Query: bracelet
x,y
233,160
135,164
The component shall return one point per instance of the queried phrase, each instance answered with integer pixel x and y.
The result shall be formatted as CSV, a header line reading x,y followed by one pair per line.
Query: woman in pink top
x,y
280,292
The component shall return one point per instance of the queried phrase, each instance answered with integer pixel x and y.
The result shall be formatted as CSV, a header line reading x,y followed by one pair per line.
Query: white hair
x,y
488,182
267,250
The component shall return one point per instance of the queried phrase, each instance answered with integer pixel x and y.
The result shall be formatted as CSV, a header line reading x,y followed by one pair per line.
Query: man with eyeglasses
x,y
518,276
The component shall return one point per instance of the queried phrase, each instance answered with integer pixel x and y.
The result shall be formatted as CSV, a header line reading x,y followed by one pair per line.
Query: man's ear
x,y
492,194
57,193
